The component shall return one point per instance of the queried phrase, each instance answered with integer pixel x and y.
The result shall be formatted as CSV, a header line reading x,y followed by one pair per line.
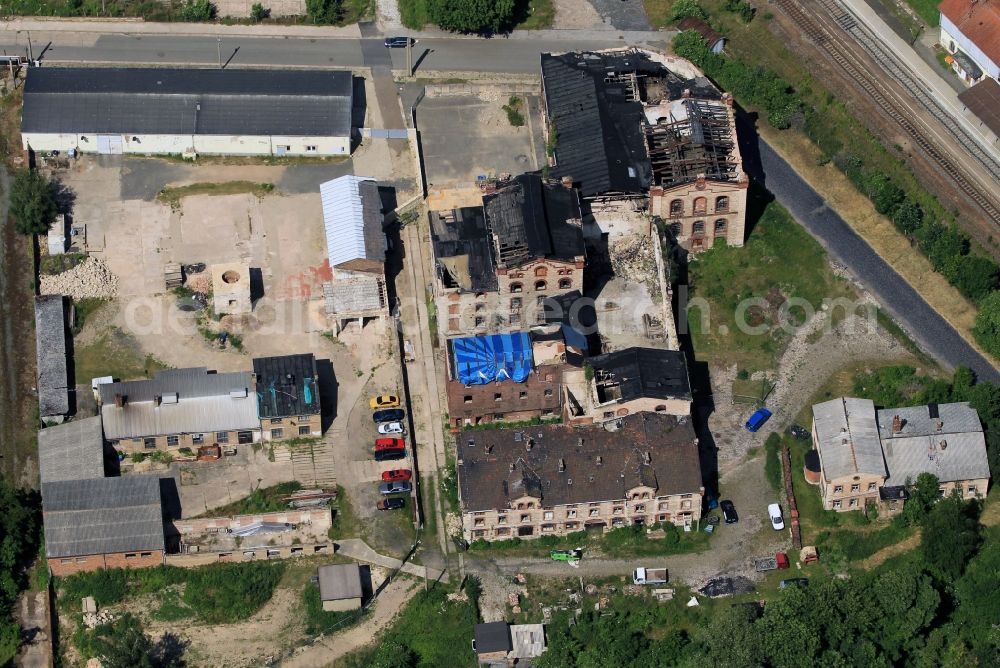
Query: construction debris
x,y
89,279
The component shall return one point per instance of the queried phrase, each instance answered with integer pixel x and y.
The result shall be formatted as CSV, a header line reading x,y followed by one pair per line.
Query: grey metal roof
x,y
847,437
71,451
50,339
339,581
187,101
352,218
102,515
206,402
286,385
951,446
528,640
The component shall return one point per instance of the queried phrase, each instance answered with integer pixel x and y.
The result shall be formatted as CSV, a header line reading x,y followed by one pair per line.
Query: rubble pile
x,y
90,278
632,258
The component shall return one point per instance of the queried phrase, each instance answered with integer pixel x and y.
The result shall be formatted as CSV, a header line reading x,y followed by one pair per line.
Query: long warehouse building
x,y
188,111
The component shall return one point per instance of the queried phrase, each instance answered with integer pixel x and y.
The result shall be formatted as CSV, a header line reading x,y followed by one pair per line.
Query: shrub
x,y
258,12
472,16
32,203
323,12
226,593
513,109
682,9
772,461
197,10
987,328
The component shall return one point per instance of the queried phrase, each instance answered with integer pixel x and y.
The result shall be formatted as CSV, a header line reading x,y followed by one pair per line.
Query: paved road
x,y
896,295
440,54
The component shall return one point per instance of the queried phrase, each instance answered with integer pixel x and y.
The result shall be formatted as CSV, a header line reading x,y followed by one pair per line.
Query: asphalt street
x,y
894,294
466,55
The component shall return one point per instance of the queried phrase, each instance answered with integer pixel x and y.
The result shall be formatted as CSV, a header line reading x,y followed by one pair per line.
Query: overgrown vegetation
x,y
84,309
780,260
928,10
113,353
50,265
172,195
430,632
324,12
216,594
513,110
884,179
345,523
261,500
20,535
622,543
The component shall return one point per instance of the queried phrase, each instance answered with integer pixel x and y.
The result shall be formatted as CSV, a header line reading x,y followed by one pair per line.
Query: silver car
x,y
390,428
398,487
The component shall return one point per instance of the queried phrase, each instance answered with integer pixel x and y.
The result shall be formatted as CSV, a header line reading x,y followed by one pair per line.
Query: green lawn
x,y
927,9
113,353
780,261
438,631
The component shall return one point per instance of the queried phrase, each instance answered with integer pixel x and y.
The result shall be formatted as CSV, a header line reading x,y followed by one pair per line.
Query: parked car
x,y
397,42
758,419
389,444
799,432
390,428
395,503
383,401
729,512
389,454
389,415
774,512
794,582
401,487
396,475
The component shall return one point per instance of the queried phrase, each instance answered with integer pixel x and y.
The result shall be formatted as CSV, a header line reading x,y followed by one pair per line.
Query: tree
x,y
987,328
472,16
323,12
122,644
258,13
951,535
908,216
924,493
975,276
691,45
684,8
32,203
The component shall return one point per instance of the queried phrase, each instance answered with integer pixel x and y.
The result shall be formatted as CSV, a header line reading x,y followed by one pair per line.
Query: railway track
x,y
896,109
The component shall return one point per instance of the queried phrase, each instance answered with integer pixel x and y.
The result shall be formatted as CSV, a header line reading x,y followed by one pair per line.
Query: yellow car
x,y
383,401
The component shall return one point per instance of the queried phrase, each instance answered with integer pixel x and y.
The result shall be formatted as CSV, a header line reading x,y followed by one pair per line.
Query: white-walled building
x,y
970,32
188,111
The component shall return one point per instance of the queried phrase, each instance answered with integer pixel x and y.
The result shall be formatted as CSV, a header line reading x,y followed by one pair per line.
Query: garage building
x,y
188,111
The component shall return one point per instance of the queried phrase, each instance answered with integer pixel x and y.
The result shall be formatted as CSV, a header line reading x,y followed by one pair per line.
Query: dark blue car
x,y
758,419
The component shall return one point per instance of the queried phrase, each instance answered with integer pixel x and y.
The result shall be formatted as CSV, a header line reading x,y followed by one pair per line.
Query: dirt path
x,y
18,401
898,548
331,648
32,613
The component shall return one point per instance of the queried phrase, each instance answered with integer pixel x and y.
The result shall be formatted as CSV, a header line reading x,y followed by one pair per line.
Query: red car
x,y
396,475
389,444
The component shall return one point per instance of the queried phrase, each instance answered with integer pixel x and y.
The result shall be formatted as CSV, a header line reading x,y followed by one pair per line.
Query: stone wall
x,y
241,8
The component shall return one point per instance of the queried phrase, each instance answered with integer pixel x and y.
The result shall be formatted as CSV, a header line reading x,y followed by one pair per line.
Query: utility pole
x,y
218,45
409,57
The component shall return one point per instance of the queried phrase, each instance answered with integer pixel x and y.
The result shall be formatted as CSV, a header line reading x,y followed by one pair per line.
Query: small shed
x,y
231,288
715,40
340,587
492,642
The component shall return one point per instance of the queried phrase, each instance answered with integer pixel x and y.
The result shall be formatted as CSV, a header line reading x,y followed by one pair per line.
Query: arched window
x,y
541,271
720,226
722,203
516,287
677,208
698,228
565,284
540,285
700,205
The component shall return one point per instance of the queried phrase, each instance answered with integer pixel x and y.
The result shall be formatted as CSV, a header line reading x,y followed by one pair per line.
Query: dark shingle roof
x,y
102,515
50,340
983,100
286,385
486,480
645,372
599,140
71,451
187,101
492,637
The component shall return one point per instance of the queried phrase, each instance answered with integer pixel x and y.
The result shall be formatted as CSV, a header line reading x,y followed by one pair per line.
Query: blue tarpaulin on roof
x,y
484,359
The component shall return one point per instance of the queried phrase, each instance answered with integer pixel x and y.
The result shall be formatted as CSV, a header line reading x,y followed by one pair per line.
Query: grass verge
x,y
172,196
345,523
